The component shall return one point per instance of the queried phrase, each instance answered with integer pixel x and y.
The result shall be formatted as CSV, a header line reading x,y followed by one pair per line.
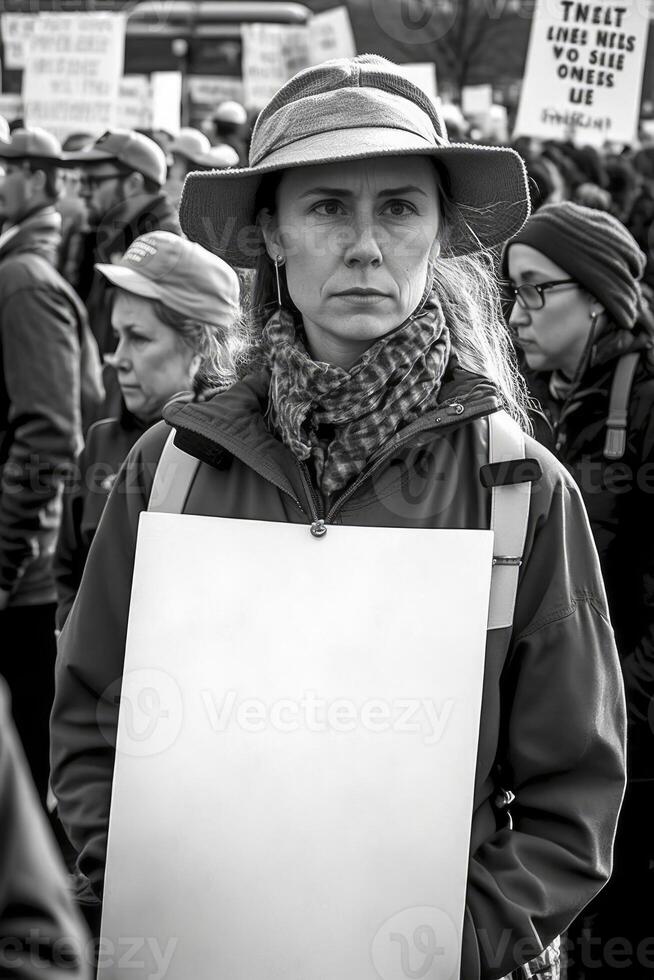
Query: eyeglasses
x,y
531,296
93,181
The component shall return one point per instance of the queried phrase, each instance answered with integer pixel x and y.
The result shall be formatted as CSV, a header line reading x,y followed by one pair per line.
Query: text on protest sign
x,y
16,31
584,71
272,53
330,36
72,72
134,103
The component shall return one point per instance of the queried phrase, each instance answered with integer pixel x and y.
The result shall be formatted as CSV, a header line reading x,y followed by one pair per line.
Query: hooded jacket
x,y
50,390
552,720
618,497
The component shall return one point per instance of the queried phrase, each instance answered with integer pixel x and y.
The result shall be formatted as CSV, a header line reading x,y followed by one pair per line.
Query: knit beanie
x,y
595,249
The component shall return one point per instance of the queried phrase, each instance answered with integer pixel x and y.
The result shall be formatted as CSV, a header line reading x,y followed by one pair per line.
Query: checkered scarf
x,y
397,379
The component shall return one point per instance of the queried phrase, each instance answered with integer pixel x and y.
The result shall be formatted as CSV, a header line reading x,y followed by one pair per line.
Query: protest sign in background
x,y
16,31
166,100
330,36
11,107
584,71
272,53
72,74
476,100
134,103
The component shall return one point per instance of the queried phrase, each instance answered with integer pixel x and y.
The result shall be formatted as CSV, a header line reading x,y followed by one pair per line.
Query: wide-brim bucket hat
x,y
352,109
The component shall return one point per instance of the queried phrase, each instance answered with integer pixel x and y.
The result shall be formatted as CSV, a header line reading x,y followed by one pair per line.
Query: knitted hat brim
x,y
488,184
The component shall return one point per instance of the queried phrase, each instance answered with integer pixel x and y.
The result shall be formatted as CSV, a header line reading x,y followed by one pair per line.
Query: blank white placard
x,y
296,752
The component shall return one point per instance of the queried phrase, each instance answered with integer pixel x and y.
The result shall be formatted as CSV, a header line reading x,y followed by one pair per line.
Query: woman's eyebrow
x,y
342,192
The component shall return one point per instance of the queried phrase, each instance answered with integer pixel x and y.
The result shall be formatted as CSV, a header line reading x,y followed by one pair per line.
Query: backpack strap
x,y
509,516
173,479
616,423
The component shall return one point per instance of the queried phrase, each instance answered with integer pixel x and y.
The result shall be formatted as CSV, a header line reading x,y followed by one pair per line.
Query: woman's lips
x,y
361,296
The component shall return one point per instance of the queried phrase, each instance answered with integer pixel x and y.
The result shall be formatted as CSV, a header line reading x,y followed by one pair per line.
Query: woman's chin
x,y
133,400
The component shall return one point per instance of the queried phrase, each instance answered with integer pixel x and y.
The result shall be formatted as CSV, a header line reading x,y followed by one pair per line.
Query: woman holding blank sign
x,y
373,372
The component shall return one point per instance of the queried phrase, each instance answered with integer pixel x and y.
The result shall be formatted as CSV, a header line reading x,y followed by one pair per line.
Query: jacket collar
x,y
39,231
233,423
598,375
110,233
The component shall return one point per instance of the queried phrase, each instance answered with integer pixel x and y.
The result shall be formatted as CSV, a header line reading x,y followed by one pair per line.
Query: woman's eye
x,y
399,208
327,208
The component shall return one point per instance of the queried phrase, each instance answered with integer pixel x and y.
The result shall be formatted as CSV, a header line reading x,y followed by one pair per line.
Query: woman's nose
x,y
519,317
119,359
364,245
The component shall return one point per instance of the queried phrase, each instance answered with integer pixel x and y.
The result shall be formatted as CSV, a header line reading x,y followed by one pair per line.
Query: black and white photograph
x,y
326,490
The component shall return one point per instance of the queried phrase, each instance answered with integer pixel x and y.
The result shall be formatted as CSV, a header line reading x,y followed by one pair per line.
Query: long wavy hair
x,y
467,287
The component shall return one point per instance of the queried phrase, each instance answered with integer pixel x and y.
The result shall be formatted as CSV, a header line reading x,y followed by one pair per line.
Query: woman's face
x,y
357,238
152,361
552,338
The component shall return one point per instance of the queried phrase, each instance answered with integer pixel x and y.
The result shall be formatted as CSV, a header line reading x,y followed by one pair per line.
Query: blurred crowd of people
x,y
89,356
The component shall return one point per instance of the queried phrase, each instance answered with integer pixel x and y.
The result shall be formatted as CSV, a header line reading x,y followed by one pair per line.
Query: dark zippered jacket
x,y
552,721
107,444
619,497
50,386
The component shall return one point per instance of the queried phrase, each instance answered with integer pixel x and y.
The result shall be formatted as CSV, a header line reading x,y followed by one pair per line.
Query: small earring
x,y
279,262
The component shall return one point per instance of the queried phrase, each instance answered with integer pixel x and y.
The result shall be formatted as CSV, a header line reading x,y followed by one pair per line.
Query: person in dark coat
x,y
169,321
579,315
50,391
123,174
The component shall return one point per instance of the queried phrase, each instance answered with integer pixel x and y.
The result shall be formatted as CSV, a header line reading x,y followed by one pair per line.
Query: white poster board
x,y
296,750
16,30
476,100
166,87
422,74
272,53
331,36
584,71
72,72
134,103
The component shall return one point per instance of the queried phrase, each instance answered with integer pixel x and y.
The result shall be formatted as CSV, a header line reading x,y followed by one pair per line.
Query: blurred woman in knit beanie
x,y
585,334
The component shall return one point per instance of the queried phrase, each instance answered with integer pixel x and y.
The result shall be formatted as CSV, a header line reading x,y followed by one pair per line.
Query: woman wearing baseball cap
x,y
173,316
586,335
377,357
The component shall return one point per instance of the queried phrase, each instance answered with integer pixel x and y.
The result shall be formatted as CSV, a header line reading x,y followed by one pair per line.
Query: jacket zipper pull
x,y
319,529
